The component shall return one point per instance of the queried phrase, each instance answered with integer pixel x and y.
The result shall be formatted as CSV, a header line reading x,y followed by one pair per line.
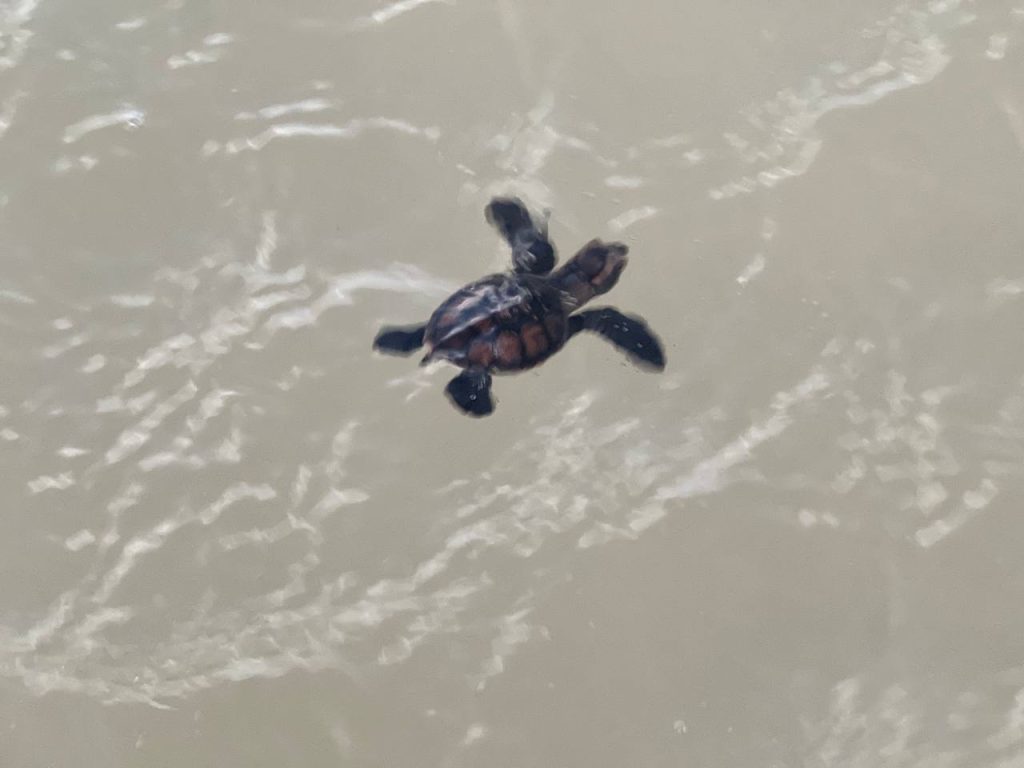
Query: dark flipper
x,y
508,215
627,332
470,392
400,341
531,250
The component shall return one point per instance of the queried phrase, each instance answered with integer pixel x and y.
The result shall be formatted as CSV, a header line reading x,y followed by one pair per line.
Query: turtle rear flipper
x,y
400,341
627,332
470,392
532,252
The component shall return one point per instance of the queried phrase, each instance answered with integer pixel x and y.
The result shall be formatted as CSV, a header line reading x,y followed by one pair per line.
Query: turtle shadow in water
x,y
513,321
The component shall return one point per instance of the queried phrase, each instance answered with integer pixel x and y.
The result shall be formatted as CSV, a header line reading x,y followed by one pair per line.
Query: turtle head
x,y
532,252
592,271
536,257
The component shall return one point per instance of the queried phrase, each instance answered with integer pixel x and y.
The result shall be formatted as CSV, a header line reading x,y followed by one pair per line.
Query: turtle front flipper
x,y
470,392
400,341
627,332
532,252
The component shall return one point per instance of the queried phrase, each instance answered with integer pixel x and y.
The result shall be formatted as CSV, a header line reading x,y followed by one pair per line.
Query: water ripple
x,y
781,139
130,117
15,18
349,130
394,10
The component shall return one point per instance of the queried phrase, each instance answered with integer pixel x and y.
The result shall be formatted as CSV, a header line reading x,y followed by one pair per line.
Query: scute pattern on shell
x,y
505,322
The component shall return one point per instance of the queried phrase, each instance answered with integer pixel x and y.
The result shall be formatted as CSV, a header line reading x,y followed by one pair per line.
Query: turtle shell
x,y
504,322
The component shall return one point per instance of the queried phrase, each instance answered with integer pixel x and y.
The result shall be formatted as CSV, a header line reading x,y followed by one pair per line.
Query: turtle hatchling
x,y
516,320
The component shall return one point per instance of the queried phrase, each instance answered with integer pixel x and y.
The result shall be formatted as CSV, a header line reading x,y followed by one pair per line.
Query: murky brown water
x,y
234,536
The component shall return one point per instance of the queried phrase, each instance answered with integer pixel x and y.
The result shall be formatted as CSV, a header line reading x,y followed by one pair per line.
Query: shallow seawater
x,y
235,536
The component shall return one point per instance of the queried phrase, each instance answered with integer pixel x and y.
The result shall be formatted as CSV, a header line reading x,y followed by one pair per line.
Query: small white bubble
x,y
997,45
474,733
93,364
131,24
218,38
79,540
623,182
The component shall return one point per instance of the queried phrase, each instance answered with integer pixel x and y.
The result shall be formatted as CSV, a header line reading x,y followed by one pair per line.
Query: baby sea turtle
x,y
515,320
